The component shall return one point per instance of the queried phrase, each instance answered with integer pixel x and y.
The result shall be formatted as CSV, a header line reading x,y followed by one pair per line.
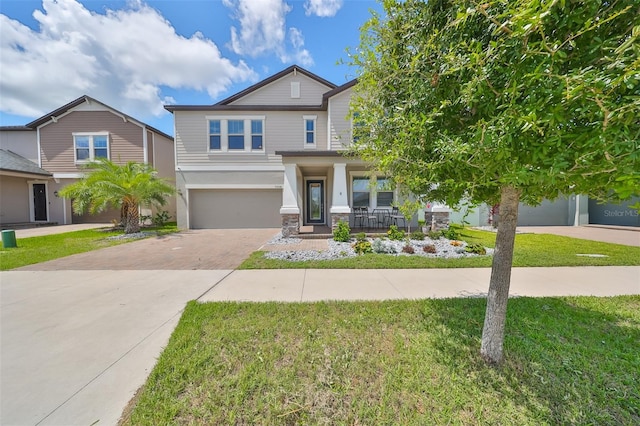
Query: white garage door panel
x,y
235,208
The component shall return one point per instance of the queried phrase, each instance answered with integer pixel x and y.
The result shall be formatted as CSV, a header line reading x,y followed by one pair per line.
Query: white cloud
x,y
263,30
122,57
322,8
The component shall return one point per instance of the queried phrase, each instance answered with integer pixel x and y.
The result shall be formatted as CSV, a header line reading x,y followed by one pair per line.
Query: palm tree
x,y
124,186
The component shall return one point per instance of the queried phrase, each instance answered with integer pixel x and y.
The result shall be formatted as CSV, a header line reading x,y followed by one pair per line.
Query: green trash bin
x,y
9,239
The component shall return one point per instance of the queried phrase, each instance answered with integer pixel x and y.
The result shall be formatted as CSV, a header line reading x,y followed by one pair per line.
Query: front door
x,y
315,202
39,202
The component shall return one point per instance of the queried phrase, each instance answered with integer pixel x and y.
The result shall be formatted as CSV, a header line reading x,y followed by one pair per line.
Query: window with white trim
x,y
236,134
309,130
90,146
374,192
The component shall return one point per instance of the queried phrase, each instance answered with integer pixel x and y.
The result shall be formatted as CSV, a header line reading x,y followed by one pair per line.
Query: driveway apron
x,y
79,335
187,250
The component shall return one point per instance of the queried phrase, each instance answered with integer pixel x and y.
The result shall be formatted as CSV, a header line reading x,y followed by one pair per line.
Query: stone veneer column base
x,y
290,225
337,217
436,221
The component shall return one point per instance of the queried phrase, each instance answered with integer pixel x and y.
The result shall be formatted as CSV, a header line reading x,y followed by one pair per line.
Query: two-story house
x,y
271,156
43,156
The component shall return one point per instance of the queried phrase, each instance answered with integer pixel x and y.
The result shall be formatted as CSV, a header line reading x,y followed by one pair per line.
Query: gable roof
x,y
12,162
225,104
88,99
283,73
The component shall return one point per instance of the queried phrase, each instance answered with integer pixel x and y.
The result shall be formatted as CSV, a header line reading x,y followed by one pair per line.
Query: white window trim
x,y
224,134
91,146
315,131
373,194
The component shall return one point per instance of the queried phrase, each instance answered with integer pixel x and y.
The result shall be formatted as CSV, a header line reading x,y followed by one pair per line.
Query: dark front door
x,y
39,201
315,202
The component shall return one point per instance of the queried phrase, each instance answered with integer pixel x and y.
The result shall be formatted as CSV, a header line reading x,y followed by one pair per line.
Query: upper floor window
x,y
256,134
309,131
215,135
236,134
90,146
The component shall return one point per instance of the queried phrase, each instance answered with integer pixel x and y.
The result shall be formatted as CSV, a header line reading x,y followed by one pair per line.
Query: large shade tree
x,y
502,102
120,186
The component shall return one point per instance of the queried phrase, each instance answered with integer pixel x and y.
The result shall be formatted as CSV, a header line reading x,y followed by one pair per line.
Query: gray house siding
x,y
339,124
279,92
283,131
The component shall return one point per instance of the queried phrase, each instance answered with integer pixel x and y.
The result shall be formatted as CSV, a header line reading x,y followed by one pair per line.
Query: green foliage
x,y
362,247
417,235
395,234
476,248
361,236
571,361
124,187
474,97
434,235
342,233
451,233
161,218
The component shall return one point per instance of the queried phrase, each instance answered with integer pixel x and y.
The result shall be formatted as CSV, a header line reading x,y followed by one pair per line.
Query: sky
x,y
137,56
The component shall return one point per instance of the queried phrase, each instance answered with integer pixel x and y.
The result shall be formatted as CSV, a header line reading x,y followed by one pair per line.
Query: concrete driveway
x,y
79,335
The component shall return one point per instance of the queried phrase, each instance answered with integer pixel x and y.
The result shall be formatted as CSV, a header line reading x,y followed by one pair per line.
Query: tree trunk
x,y
494,320
132,222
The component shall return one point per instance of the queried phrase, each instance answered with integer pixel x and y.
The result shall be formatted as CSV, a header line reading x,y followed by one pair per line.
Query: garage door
x,y
549,213
237,208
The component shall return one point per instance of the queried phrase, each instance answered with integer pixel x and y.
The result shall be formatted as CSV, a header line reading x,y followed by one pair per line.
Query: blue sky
x,y
138,55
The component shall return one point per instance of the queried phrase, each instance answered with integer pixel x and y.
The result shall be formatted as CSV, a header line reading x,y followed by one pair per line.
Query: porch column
x,y
340,204
290,211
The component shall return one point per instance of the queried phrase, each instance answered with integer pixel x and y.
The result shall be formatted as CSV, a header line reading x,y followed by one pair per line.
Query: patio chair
x,y
359,215
396,216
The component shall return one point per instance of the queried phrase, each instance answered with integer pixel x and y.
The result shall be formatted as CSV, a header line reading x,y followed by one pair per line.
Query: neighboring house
x,y
272,155
49,153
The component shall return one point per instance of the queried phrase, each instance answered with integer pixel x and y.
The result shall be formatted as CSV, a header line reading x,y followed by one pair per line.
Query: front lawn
x,y
530,250
571,360
48,247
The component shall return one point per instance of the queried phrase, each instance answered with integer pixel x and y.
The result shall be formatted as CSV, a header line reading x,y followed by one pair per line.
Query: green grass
x,y
530,250
48,247
570,360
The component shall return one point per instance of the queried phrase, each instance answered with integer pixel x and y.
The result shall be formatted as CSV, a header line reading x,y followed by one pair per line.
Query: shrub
x,y
161,218
451,233
342,232
394,234
408,249
361,236
434,235
476,248
362,247
429,248
417,235
380,246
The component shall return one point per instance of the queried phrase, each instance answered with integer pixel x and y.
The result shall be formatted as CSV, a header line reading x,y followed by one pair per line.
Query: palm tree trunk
x,y
496,314
132,222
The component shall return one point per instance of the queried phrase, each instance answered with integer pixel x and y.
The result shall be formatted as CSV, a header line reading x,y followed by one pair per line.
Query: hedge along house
x,y
60,143
271,156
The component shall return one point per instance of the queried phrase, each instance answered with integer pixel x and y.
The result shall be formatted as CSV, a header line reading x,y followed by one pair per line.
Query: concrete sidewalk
x,y
307,285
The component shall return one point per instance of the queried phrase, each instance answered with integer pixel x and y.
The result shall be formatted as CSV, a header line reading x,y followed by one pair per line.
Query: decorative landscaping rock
x,y
337,250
